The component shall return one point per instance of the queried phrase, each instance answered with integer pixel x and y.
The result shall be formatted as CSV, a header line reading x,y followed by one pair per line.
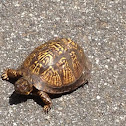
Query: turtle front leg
x,y
10,73
46,99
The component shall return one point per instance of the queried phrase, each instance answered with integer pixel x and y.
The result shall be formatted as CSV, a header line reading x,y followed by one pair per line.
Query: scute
x,y
56,64
51,77
65,71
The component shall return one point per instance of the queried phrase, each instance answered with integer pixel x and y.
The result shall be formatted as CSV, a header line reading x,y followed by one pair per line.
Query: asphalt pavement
x,y
96,25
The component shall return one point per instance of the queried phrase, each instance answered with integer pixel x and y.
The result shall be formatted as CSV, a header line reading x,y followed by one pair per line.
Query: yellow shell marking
x,y
35,68
45,57
70,44
51,77
81,52
75,63
67,73
57,47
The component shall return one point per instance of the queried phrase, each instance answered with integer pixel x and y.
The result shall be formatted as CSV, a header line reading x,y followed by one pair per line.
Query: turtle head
x,y
22,86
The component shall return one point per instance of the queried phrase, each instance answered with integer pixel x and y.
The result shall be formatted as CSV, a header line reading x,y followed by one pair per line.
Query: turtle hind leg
x,y
46,99
10,73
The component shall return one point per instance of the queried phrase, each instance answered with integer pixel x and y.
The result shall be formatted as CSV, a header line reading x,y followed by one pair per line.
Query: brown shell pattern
x,y
57,63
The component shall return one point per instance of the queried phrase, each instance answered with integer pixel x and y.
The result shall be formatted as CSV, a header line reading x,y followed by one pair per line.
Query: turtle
x,y
55,67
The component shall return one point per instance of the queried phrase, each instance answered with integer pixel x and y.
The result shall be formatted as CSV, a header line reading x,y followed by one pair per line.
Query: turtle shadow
x,y
18,98
15,99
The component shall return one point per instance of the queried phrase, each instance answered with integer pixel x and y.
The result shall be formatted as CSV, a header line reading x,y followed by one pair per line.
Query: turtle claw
x,y
4,76
47,108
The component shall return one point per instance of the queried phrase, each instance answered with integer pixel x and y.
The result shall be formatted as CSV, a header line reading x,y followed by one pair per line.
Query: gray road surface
x,y
99,27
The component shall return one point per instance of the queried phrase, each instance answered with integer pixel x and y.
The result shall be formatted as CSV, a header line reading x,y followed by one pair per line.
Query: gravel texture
x,y
99,27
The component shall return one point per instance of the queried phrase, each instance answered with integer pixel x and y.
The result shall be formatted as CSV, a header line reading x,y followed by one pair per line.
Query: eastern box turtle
x,y
55,67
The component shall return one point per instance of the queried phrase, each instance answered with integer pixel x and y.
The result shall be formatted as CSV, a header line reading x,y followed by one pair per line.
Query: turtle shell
x,y
56,66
